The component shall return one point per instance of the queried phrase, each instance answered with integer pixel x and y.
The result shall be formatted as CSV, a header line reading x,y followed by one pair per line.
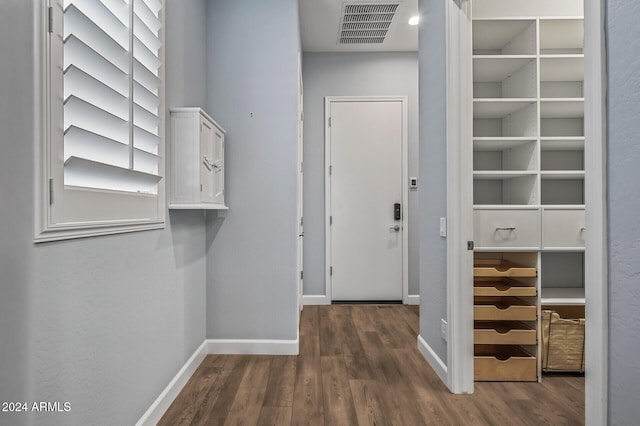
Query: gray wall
x,y
433,155
105,322
623,46
351,74
253,77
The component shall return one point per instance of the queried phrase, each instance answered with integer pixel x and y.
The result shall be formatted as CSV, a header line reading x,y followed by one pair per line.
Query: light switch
x,y
413,183
443,226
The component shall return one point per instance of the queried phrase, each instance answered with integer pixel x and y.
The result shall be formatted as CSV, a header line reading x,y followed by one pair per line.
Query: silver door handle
x,y
395,228
208,164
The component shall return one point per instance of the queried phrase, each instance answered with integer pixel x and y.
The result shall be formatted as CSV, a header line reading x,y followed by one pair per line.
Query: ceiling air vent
x,y
366,23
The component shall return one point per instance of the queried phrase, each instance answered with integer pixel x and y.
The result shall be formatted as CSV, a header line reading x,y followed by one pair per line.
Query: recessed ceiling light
x,y
414,20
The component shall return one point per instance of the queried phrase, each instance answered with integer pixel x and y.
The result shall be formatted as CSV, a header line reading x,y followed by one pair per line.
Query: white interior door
x,y
366,238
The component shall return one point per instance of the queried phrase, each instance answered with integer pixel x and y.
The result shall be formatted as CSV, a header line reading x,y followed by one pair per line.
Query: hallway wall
x,y
623,204
252,80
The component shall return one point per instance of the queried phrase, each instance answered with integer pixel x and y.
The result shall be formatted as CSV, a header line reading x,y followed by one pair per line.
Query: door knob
x,y
395,228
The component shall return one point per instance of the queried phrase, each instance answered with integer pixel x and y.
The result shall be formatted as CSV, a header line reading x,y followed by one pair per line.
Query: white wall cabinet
x,y
197,161
528,146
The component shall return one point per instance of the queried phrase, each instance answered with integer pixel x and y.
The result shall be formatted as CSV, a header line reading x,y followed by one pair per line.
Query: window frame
x,y
69,213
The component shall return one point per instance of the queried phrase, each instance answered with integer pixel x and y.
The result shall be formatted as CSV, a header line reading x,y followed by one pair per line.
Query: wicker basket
x,y
562,343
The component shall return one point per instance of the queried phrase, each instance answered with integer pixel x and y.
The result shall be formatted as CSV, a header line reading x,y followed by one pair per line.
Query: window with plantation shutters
x,y
105,142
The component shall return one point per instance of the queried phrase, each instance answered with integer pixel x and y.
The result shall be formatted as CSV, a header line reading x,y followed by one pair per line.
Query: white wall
x,y
623,204
433,170
252,92
351,74
103,323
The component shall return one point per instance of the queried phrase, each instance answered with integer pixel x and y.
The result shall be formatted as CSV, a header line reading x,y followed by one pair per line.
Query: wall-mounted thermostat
x,y
413,183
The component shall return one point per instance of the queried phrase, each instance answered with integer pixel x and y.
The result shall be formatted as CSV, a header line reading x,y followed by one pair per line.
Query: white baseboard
x,y
313,299
412,299
253,347
320,299
434,360
166,397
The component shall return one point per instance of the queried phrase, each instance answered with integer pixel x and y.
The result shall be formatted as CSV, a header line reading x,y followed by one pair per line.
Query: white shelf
x,y
562,174
505,207
562,108
562,296
501,175
568,143
497,68
499,108
563,207
201,206
499,144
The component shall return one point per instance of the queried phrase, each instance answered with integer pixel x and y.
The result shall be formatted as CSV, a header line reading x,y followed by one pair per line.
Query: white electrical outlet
x,y
443,329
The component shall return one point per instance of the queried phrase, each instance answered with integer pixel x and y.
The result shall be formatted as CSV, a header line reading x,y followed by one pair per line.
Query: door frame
x,y
459,125
459,91
300,193
405,187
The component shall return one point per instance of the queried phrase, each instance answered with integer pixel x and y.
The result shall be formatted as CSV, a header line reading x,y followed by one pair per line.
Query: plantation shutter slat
x,y
82,114
92,146
91,174
145,162
83,57
145,141
82,85
154,6
145,77
145,98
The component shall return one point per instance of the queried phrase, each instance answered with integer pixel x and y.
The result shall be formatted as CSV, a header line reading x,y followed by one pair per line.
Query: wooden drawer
x,y
501,268
503,333
489,286
506,228
503,309
563,228
504,363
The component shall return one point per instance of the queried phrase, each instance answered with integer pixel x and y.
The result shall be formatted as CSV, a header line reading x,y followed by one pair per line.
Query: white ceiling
x,y
320,26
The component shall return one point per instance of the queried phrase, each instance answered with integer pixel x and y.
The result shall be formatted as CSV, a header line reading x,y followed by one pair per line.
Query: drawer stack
x,y
505,318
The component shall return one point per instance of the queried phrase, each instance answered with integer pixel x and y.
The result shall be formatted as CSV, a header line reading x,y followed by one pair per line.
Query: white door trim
x,y
459,197
300,193
595,191
596,273
405,186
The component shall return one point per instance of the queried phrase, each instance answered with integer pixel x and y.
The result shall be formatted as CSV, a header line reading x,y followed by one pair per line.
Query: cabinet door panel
x,y
563,228
506,228
207,132
218,167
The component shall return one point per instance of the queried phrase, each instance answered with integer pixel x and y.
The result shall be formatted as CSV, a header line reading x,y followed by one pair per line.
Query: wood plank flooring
x,y
359,365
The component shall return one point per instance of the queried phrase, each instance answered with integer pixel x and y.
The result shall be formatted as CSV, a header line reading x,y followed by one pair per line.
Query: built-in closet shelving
x,y
528,182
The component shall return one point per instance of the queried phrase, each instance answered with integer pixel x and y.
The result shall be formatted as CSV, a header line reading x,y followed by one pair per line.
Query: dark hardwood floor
x,y
359,365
